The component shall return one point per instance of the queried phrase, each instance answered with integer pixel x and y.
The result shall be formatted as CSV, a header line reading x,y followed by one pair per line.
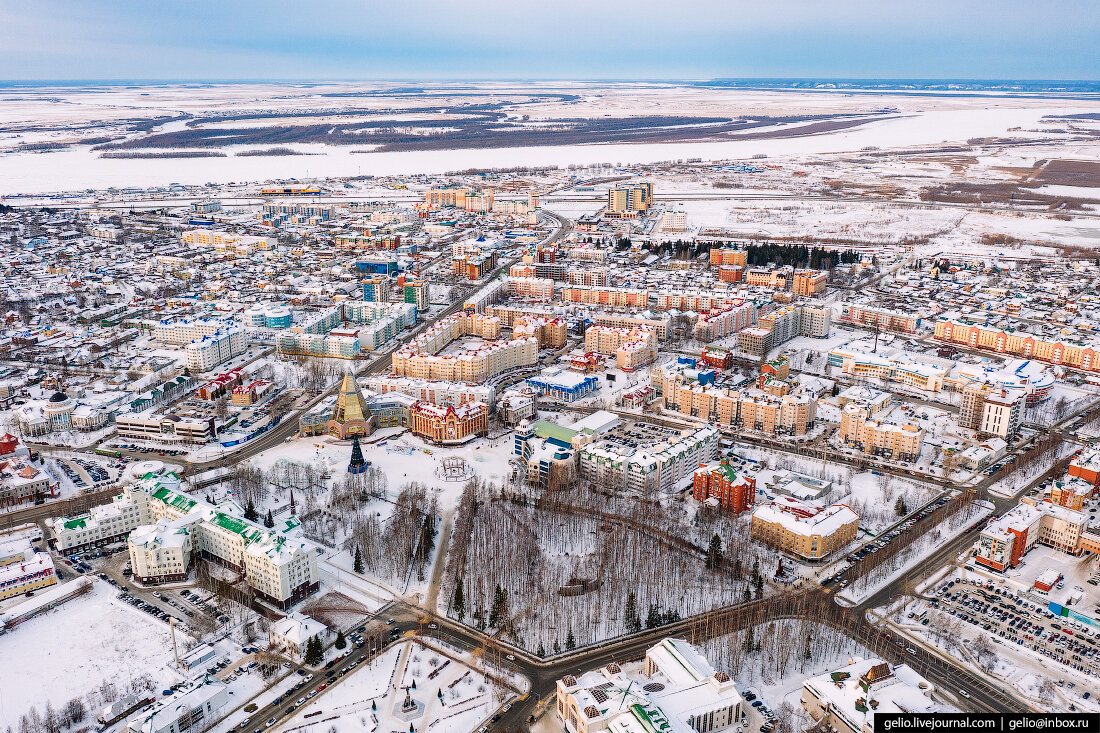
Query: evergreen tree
x,y
540,651
357,566
630,616
737,569
250,512
653,618
900,507
570,642
557,647
341,642
458,603
315,652
714,552
269,520
749,644
499,609
759,584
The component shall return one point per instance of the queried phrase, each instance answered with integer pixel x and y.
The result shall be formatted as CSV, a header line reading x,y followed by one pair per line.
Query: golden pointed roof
x,y
350,404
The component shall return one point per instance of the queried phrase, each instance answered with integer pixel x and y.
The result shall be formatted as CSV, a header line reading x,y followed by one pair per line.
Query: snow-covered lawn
x,y
77,647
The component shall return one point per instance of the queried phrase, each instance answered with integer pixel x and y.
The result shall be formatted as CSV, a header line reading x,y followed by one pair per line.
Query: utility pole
x,y
175,650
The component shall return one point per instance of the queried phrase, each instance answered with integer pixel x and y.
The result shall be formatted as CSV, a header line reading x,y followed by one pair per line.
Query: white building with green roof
x,y
167,529
677,691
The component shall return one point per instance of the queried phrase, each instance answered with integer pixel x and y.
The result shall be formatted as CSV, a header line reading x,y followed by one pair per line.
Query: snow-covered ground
x,y
915,552
452,689
77,648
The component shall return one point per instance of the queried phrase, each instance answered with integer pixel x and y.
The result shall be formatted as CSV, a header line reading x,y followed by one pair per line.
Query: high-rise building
x,y
376,289
634,197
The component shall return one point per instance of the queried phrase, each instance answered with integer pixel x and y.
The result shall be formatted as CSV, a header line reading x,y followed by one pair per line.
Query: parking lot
x,y
1018,621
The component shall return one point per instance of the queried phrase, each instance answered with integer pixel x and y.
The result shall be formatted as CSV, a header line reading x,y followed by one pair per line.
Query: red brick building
x,y
721,484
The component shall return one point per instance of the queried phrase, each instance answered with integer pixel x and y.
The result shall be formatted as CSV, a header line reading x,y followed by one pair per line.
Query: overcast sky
x,y
554,39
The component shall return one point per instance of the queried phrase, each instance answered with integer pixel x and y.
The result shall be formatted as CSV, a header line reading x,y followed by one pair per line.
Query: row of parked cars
x,y
883,540
141,605
146,449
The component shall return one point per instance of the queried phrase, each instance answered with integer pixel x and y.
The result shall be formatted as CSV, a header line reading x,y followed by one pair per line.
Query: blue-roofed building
x,y
563,385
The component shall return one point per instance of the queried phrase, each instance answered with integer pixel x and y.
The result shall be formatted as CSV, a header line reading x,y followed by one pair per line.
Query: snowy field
x,y
76,649
924,121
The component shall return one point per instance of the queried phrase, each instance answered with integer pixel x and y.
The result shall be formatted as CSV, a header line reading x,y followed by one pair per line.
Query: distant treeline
x,y
486,128
798,255
166,154
270,152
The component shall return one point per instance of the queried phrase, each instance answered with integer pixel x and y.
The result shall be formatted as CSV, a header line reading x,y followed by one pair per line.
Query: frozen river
x,y
80,168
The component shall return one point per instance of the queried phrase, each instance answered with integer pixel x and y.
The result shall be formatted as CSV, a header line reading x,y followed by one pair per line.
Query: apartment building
x,y
810,283
860,430
882,318
783,324
417,293
1002,414
721,485
1008,538
330,345
631,198
1051,349
660,463
33,572
750,409
203,354
536,289
802,530
592,278
550,332
729,256
991,412
437,198
724,320
676,691
698,301
438,393
633,347
420,358
183,332
376,289
616,297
